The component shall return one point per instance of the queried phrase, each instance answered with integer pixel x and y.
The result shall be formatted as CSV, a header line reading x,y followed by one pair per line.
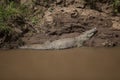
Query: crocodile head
x,y
91,32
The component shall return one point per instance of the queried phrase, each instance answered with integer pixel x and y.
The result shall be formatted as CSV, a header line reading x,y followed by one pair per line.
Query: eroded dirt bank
x,y
69,18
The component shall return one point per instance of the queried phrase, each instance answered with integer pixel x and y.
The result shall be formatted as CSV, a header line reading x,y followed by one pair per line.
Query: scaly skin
x,y
63,43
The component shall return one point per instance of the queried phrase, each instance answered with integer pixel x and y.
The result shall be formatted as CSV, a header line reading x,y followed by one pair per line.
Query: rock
x,y
69,2
79,3
116,24
25,1
48,18
74,14
18,31
59,1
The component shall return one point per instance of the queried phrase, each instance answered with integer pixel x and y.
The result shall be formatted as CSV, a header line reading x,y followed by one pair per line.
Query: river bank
x,y
64,19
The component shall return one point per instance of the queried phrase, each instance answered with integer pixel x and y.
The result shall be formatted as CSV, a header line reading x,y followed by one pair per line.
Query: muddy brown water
x,y
70,64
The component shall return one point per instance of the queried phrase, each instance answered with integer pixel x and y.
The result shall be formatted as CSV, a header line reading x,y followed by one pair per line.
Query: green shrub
x,y
116,6
5,29
8,15
4,16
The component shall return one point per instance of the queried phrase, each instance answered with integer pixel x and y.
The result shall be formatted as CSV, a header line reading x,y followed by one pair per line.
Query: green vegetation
x,y
116,6
7,14
13,14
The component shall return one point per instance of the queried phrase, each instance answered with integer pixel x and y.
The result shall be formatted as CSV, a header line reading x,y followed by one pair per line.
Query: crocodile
x,y
63,43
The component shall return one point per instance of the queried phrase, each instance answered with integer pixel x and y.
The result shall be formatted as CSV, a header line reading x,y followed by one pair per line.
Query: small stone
x,y
59,1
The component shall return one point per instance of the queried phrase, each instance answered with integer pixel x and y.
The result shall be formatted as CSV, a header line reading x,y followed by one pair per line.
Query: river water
x,y
70,64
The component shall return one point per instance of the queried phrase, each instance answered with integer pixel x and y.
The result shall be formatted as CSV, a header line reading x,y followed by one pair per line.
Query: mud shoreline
x,y
67,21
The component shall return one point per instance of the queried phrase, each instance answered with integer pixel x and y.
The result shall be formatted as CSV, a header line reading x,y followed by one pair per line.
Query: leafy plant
x,y
8,14
34,20
116,6
4,16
